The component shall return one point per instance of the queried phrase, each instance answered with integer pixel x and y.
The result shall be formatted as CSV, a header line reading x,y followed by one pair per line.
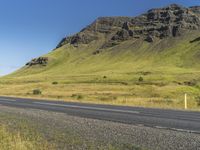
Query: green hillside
x,y
130,71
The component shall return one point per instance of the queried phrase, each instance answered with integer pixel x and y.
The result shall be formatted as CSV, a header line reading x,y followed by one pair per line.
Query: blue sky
x,y
30,28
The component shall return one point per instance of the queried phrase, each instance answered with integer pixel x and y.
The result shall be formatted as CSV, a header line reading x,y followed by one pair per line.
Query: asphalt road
x,y
183,121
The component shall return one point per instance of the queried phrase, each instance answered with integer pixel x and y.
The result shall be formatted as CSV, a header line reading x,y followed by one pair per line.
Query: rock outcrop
x,y
149,38
170,21
79,38
38,61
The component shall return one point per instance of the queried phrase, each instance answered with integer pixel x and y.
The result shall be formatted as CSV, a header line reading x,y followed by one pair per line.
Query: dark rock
x,y
109,44
63,42
176,31
136,36
121,35
38,61
76,39
96,52
165,31
107,24
139,32
126,26
149,38
80,38
155,33
195,40
131,33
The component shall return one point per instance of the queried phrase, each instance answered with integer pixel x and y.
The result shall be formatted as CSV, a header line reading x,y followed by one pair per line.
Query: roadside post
x,y
185,101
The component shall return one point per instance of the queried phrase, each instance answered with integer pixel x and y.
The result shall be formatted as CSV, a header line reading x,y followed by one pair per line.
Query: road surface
x,y
183,121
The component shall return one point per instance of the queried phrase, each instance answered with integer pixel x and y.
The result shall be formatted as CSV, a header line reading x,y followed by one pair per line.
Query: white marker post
x,y
185,101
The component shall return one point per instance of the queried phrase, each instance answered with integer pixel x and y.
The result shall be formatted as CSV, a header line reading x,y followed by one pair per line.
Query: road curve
x,y
183,121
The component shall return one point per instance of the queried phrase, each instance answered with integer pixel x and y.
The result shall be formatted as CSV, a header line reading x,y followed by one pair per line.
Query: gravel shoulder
x,y
71,132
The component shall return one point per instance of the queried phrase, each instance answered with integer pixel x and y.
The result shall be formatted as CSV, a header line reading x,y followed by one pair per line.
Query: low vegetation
x,y
37,92
10,140
77,96
55,83
198,100
140,79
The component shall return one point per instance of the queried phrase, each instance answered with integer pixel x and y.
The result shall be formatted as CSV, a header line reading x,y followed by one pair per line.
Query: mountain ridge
x,y
155,23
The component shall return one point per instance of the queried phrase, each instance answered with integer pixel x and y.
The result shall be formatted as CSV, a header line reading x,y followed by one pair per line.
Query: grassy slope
x,y
165,65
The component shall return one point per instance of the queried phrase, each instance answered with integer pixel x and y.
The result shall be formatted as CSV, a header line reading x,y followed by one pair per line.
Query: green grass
x,y
17,134
169,68
15,141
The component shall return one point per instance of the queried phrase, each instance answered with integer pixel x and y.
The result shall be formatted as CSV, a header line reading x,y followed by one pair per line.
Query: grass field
x,y
133,73
14,141
19,135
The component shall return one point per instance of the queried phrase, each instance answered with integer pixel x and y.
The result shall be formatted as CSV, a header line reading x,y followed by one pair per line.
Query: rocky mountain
x,y
171,21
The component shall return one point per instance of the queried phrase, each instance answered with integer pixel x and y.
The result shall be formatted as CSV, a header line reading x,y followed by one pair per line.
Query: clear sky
x,y
30,28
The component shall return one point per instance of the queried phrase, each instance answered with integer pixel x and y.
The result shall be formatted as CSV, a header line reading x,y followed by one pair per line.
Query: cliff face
x,y
170,21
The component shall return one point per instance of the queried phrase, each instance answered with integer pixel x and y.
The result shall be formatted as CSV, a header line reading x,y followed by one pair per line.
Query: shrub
x,y
37,92
140,79
107,98
104,77
59,97
198,100
73,95
55,82
77,96
124,83
190,83
168,101
80,97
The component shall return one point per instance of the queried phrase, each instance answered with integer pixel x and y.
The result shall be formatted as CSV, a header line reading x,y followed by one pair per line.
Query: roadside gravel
x,y
71,132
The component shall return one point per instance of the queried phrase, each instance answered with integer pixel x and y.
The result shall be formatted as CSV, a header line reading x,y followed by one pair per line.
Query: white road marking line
x,y
86,107
160,127
177,129
10,100
182,130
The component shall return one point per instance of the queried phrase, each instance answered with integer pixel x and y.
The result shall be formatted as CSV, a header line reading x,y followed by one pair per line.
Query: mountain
x,y
170,21
156,54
